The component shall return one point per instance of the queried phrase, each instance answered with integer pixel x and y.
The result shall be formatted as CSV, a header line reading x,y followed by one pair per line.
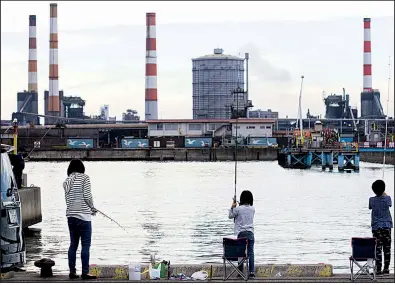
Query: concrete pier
x,y
157,154
184,154
270,273
30,205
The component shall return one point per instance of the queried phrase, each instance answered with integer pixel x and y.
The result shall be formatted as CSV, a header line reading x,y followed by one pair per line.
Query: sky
x,y
102,51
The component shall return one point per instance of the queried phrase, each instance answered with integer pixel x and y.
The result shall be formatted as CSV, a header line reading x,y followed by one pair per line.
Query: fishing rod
x,y
386,117
114,221
237,116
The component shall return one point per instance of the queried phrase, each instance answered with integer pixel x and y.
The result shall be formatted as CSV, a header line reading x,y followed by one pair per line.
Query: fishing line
x,y
34,147
106,216
386,117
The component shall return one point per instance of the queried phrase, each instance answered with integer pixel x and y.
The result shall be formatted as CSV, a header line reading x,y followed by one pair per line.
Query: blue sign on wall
x,y
346,140
198,142
79,143
262,141
135,143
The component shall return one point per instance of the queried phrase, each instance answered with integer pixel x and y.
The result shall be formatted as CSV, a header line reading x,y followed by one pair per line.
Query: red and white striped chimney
x,y
32,69
151,92
53,98
367,57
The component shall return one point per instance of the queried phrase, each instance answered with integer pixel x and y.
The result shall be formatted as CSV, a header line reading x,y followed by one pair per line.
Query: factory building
x,y
210,127
268,114
214,78
27,101
130,115
73,107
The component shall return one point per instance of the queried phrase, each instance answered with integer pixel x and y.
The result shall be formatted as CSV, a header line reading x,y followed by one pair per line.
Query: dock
x,y
346,158
268,273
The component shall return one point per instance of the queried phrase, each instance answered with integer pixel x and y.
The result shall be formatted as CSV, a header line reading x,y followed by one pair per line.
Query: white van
x,y
13,251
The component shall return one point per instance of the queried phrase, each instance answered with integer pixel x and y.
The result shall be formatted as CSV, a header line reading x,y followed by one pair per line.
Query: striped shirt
x,y
79,202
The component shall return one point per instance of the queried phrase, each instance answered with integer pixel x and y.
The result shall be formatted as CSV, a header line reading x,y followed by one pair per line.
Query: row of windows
x,y
191,127
174,127
253,127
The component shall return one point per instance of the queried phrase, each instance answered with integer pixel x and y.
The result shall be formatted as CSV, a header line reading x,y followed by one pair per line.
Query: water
x,y
179,210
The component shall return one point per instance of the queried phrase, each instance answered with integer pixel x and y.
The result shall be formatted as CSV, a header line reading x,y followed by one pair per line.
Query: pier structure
x,y
346,156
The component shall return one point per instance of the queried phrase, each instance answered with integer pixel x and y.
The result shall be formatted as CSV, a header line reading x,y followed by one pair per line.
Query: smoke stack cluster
x,y
32,69
53,98
367,57
151,93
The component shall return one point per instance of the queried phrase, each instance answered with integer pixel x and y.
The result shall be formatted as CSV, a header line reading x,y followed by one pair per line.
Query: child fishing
x,y
244,223
381,225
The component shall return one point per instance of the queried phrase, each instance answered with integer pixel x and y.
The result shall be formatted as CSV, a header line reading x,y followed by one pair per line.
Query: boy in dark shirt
x,y
381,224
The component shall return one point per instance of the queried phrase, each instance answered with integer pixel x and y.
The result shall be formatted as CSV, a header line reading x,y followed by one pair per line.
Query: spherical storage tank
x,y
215,76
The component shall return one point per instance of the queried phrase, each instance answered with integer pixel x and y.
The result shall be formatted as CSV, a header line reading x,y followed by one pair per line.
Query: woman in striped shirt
x,y
79,210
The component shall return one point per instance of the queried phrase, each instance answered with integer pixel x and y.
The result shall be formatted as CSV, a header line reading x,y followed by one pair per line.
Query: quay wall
x,y
377,157
217,270
30,206
175,154
180,154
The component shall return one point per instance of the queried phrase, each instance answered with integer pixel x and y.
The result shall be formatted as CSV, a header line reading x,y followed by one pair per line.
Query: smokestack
x,y
151,94
53,99
32,69
367,57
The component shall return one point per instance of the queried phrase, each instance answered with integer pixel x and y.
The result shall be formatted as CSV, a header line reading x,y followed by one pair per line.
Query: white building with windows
x,y
213,128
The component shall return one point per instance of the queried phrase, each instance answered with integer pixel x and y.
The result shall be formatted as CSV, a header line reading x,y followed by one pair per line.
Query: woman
x,y
79,210
244,224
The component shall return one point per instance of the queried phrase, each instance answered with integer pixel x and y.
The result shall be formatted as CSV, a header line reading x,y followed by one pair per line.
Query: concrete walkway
x,y
337,278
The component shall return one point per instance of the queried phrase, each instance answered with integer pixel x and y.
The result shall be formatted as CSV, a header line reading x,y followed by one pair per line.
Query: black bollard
x,y
45,264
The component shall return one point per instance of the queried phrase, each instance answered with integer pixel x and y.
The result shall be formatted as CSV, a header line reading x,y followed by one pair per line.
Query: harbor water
x,y
179,211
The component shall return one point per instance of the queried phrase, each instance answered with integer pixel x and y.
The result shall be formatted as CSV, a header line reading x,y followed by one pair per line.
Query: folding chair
x,y
363,249
235,250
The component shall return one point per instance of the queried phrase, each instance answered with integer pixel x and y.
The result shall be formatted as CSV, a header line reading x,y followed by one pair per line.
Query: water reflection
x,y
34,245
152,227
180,211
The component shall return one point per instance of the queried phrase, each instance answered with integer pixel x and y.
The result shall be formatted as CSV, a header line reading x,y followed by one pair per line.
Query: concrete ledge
x,y
261,271
7,275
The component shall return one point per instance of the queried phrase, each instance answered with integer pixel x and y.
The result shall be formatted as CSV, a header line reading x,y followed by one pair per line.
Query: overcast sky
x,y
102,51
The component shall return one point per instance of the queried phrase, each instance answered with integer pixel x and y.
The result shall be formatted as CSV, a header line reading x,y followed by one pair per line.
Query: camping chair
x,y
235,250
363,249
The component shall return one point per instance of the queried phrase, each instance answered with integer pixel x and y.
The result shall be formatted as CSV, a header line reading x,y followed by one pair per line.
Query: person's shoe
x,y
251,276
88,276
386,272
73,276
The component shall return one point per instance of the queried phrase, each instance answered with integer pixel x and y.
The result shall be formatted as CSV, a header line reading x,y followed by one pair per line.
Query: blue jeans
x,y
79,229
250,249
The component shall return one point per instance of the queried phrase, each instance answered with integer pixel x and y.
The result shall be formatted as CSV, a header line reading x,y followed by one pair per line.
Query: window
x,y
171,127
159,127
250,127
237,127
263,127
268,127
211,127
195,127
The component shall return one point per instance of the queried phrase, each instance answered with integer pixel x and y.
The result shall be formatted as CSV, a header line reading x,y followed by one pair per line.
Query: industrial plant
x,y
220,98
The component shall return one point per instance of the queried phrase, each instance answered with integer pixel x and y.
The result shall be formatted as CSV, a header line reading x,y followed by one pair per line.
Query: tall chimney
x,y
53,99
367,57
151,94
32,69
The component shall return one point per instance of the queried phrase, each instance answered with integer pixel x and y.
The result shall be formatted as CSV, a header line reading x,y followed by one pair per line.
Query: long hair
x,y
246,198
75,165
378,187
